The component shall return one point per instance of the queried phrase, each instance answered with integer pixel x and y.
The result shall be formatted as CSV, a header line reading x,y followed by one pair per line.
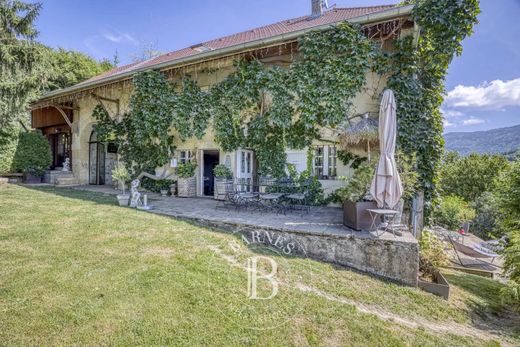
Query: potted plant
x,y
355,202
432,257
121,175
163,186
187,183
32,157
223,180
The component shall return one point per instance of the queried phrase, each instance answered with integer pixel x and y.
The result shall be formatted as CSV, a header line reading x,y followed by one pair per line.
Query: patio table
x,y
375,213
273,200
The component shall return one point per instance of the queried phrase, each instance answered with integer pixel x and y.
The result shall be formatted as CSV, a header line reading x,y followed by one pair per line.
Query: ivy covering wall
x,y
269,108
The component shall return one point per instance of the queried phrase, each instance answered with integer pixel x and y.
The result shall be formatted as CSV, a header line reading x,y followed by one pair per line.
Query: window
x,y
111,147
318,161
332,162
184,156
325,162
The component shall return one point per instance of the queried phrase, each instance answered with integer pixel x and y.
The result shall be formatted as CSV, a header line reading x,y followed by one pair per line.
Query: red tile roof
x,y
276,29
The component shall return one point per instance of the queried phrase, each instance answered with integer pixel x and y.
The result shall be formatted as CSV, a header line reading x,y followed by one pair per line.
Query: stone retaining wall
x,y
394,260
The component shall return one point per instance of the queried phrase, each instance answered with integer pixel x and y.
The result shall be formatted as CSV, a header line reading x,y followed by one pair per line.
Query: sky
x,y
483,84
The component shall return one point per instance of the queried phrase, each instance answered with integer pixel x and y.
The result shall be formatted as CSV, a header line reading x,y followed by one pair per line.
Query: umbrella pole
x,y
368,147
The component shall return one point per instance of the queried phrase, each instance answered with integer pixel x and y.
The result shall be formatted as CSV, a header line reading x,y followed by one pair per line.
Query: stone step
x,y
66,181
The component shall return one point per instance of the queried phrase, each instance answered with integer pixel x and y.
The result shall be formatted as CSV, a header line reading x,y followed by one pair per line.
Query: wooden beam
x,y
100,100
64,115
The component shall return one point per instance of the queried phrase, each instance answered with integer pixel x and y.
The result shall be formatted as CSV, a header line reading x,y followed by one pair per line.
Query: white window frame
x,y
325,167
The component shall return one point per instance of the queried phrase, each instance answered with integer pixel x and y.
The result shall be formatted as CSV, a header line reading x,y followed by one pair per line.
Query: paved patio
x,y
320,221
319,234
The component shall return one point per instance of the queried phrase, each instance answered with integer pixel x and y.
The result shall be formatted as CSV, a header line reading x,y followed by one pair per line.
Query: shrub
x,y
8,143
452,211
186,170
315,195
485,224
508,198
512,268
356,186
222,171
155,185
33,154
163,184
432,254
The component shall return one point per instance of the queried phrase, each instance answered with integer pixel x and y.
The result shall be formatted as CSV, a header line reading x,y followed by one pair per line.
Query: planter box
x,y
187,187
31,179
123,199
222,187
356,216
440,288
173,189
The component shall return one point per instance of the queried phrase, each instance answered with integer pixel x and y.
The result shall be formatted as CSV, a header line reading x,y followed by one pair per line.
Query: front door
x,y
244,169
60,148
210,159
96,160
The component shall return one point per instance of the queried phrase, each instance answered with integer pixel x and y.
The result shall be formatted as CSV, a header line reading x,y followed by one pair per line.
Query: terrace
x,y
319,234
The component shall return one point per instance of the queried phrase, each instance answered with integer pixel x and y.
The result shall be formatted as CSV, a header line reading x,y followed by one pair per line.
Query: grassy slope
x,y
76,269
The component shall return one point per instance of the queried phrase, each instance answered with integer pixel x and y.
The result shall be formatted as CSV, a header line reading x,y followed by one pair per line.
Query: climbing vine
x,y
417,73
269,108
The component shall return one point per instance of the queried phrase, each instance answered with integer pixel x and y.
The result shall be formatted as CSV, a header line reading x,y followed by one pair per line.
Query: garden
x,y
90,272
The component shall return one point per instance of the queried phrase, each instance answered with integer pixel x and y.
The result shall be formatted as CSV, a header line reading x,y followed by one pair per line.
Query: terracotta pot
x,y
187,187
356,216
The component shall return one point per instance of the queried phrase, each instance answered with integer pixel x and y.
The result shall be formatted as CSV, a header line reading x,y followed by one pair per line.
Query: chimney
x,y
317,8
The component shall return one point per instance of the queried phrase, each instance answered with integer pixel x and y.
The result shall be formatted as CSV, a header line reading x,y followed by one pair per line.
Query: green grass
x,y
77,269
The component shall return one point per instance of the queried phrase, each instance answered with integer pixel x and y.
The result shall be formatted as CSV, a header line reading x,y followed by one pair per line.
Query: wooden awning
x,y
51,116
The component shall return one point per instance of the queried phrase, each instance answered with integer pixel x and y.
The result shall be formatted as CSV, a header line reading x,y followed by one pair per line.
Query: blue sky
x,y
483,84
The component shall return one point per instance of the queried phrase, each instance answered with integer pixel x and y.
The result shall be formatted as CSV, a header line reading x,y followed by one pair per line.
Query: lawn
x,y
77,269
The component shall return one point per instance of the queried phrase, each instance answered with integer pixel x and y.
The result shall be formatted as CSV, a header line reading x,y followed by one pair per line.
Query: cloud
x,y
451,113
472,121
494,95
447,124
120,38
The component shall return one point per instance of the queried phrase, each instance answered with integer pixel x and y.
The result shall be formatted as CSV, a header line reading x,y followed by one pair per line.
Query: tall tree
x,y
21,68
68,68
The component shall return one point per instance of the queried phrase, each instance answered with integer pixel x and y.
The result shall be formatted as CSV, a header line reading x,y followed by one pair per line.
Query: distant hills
x,y
502,140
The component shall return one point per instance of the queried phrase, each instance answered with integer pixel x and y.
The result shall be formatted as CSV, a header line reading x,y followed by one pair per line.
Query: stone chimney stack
x,y
317,8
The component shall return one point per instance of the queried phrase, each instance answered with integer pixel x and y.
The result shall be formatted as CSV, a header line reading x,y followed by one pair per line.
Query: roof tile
x,y
283,27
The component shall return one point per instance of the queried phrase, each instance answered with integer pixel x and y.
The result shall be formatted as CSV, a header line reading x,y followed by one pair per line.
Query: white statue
x,y
66,165
136,201
136,196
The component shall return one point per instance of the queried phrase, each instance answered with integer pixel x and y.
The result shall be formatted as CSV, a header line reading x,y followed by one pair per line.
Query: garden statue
x,y
136,196
136,201
66,165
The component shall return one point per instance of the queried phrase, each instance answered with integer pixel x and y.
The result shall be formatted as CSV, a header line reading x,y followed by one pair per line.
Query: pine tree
x,y
22,69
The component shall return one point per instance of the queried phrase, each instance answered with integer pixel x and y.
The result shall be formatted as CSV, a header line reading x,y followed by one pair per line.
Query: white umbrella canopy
x,y
386,186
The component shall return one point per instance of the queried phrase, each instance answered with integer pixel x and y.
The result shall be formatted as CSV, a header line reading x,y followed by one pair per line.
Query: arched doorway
x,y
96,160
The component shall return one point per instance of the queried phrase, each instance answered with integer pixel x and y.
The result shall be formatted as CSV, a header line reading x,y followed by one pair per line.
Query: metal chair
x,y
300,196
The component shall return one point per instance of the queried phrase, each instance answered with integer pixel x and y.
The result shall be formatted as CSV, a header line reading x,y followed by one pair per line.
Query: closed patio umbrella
x,y
386,186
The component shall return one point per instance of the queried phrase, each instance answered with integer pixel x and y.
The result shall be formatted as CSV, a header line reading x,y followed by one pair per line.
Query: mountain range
x,y
501,140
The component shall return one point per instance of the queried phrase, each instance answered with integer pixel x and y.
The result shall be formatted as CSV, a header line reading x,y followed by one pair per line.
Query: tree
x,y
471,176
512,268
21,62
508,195
71,67
33,154
147,50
